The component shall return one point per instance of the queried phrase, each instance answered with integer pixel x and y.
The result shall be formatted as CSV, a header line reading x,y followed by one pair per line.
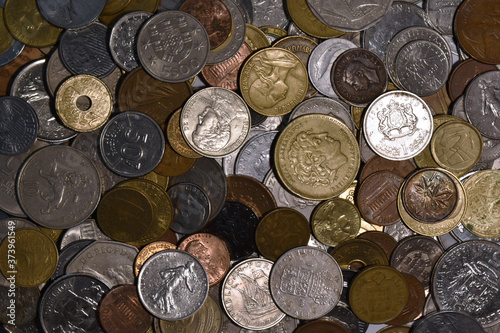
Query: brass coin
x,y
378,294
281,230
382,239
335,221
158,179
173,164
175,138
132,5
53,234
27,25
317,157
273,81
7,40
114,6
322,326
357,253
83,103
305,19
256,38
148,250
275,32
29,256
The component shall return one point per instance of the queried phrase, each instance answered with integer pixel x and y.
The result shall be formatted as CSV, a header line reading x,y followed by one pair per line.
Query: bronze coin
x,y
439,102
169,236
415,304
212,252
141,92
476,28
382,239
429,195
377,198
172,164
7,71
121,310
378,163
322,326
250,192
465,72
148,250
359,76
358,253
214,16
175,138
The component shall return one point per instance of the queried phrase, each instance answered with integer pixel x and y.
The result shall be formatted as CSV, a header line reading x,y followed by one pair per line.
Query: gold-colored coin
x,y
132,5
83,103
163,209
483,212
27,25
335,220
6,39
114,6
273,81
148,250
276,32
395,329
358,253
304,18
378,294
158,179
281,230
256,38
53,234
125,214
317,157
357,113
29,256
173,164
456,146
176,139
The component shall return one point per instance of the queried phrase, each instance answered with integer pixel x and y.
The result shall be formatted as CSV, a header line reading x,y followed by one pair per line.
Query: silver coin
x,y
229,160
70,14
66,255
185,53
254,158
364,149
447,240
286,325
58,187
122,40
237,38
55,72
132,144
246,297
269,12
71,303
441,14
447,321
170,4
215,122
466,279
321,62
306,283
270,123
462,234
18,126
29,86
430,306
172,285
422,67
109,261
482,104
11,53
349,16
398,231
398,125
88,230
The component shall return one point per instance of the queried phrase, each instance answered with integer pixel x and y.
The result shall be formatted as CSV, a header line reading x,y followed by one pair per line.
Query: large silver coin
x,y
70,14
87,230
173,46
246,297
441,14
172,285
466,280
254,158
58,187
398,125
306,283
447,321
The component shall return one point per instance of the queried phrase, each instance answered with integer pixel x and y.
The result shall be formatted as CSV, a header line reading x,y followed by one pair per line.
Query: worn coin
x,y
385,241
68,253
87,230
377,163
322,326
254,158
251,192
358,253
23,299
303,17
70,15
451,321
18,126
415,304
463,74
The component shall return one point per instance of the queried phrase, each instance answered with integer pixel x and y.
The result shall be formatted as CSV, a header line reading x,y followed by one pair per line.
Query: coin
x,y
465,72
19,126
87,230
148,250
358,253
25,302
71,15
382,239
304,18
378,163
322,326
250,192
254,157
415,304
448,320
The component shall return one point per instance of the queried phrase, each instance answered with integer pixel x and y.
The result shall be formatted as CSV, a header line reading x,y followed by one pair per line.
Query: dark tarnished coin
x,y
377,163
358,253
19,303
464,73
359,76
70,304
18,125
415,304
132,144
250,192
172,285
70,14
448,321
322,326
85,50
67,254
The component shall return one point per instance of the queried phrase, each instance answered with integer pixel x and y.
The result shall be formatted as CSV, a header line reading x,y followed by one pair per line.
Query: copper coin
x,y
214,16
464,73
415,304
377,198
476,28
169,236
322,326
250,192
359,76
7,71
378,163
141,92
439,102
212,252
225,74
429,195
121,310
382,239
148,250
172,164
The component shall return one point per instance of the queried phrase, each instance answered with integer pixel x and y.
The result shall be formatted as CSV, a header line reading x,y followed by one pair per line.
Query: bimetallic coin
x,y
246,297
70,15
148,250
172,285
317,157
18,126
305,20
398,125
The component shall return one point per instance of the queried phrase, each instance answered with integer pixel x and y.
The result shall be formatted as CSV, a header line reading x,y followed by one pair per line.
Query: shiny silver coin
x,y
18,125
246,297
306,283
441,14
70,14
269,12
173,46
87,230
254,158
172,285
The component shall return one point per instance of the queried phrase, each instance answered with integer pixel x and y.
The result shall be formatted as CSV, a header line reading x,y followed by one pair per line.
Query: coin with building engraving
x,y
172,285
306,283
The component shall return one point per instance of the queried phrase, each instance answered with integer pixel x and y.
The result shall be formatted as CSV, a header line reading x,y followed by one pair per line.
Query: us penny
x,y
378,163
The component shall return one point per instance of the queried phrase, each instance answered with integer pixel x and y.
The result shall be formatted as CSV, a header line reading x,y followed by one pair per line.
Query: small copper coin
x,y
359,76
377,163
250,192
121,310
377,198
322,326
464,73
212,252
358,253
148,250
382,239
415,304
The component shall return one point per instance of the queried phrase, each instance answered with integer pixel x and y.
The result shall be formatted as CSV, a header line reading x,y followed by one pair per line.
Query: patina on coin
x,y
306,283
25,302
317,157
172,285
251,192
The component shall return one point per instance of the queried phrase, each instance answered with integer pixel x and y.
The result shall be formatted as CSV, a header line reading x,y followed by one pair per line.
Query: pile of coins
x,y
243,165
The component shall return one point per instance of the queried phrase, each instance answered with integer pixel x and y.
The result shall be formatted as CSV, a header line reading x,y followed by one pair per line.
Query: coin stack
x,y
240,165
